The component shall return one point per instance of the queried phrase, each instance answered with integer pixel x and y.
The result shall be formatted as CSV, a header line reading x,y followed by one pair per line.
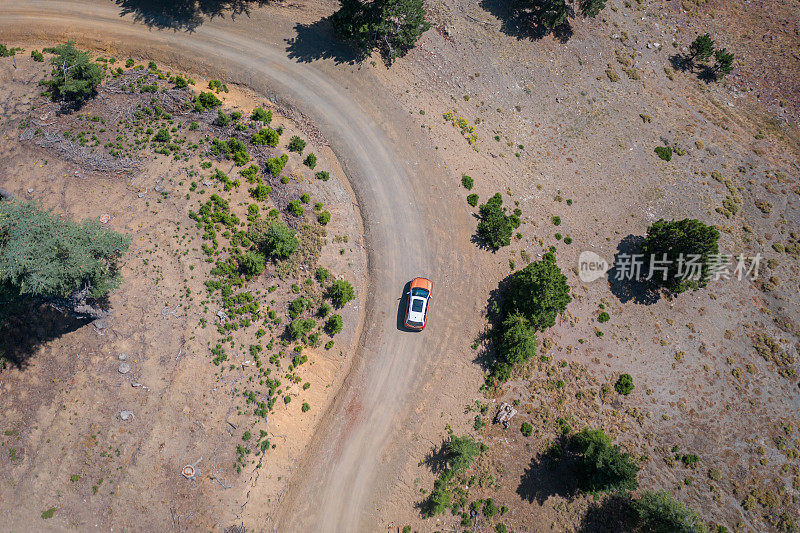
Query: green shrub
x,y
321,274
297,306
222,119
495,227
664,152
489,508
701,48
251,264
324,309
679,239
324,217
208,100
333,325
603,317
526,429
74,76
467,182
601,466
266,137
260,191
296,144
556,220
472,199
310,161
659,512
295,207
305,407
262,115
37,56
275,239
275,164
323,175
624,384
298,327
180,82
341,292
161,136
539,292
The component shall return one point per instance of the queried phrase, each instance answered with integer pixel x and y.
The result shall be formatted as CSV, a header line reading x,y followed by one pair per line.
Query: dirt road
x,y
341,475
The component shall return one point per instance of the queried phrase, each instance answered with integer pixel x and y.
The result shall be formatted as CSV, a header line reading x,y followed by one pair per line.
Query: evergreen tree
x,y
723,62
74,76
57,260
682,243
659,512
701,48
539,292
391,26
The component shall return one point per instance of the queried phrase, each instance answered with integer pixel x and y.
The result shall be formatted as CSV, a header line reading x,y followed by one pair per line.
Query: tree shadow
x,y
436,459
629,287
552,473
525,23
26,324
184,15
486,355
613,514
681,62
316,41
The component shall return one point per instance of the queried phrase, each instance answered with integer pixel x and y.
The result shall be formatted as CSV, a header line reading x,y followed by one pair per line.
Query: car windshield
x,y
416,305
416,291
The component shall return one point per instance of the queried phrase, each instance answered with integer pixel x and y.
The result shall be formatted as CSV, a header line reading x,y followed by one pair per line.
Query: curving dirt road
x,y
344,469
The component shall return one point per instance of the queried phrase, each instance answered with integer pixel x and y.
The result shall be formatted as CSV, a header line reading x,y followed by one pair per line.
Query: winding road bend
x,y
335,484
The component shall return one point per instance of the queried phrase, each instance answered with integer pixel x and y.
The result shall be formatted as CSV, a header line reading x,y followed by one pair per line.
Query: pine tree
x,y
701,48
66,263
75,76
723,62
391,26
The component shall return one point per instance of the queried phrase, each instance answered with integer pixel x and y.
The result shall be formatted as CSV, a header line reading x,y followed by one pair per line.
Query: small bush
x,y
180,82
305,407
275,164
265,137
262,115
323,175
664,152
324,309
333,325
324,217
222,120
37,56
659,512
260,191
556,220
624,384
162,136
208,100
321,274
296,144
495,227
251,264
526,429
310,161
472,199
295,207
467,182
603,317
276,240
341,292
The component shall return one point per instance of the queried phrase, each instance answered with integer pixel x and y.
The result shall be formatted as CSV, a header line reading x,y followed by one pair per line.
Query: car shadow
x,y
401,309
